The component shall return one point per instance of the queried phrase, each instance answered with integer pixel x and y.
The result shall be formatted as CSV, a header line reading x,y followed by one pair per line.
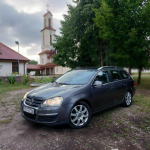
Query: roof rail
x,y
115,67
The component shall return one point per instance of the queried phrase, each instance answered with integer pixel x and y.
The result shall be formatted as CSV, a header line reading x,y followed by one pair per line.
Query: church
x,y
46,66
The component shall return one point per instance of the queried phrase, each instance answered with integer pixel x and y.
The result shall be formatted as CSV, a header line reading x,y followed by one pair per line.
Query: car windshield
x,y
76,77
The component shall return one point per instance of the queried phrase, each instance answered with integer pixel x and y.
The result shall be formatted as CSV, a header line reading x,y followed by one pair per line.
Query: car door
x,y
119,85
102,95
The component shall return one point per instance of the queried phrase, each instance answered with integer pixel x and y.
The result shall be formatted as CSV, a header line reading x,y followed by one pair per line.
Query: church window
x,y
49,23
50,38
43,40
45,23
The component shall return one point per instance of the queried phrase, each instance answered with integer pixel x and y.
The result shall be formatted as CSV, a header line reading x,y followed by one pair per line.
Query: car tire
x,y
80,115
127,99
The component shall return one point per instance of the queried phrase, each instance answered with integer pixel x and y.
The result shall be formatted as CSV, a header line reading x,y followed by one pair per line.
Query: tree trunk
x,y
101,53
130,70
139,76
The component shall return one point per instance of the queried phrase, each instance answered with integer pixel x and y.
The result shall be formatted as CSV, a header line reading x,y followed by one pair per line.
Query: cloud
x,y
23,21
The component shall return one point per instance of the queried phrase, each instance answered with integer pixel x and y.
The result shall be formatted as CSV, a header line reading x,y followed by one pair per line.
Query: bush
x,y
1,81
11,79
43,80
25,79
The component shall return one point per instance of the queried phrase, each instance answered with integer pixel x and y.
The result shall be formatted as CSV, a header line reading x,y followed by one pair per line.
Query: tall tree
x,y
79,43
33,62
125,24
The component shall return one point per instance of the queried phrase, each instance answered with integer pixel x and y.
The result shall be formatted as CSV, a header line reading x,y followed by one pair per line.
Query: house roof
x,y
40,67
48,29
34,67
7,53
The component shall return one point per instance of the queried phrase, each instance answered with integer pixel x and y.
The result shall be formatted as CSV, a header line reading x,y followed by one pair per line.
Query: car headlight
x,y
57,101
25,95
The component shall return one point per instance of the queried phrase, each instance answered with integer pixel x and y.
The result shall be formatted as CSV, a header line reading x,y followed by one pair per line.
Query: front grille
x,y
47,118
30,116
33,102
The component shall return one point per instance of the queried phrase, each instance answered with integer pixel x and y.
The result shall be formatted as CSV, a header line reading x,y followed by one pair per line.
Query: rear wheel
x,y
80,115
127,99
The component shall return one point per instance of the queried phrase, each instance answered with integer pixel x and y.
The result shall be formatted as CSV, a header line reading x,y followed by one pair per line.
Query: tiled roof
x,y
34,67
44,52
40,67
49,65
9,54
48,29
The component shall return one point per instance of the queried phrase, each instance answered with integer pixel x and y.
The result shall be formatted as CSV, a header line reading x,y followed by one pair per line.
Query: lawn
x,y
117,128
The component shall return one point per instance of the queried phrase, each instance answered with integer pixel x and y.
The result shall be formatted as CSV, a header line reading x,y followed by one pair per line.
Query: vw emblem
x,y
31,101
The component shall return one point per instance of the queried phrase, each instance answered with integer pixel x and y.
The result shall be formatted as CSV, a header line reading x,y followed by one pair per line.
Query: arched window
x,y
49,23
50,38
45,22
43,40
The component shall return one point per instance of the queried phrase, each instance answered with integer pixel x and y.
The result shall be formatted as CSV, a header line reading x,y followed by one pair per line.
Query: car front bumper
x,y
48,115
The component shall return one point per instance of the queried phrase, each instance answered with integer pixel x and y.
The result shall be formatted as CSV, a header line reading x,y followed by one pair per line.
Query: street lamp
x,y
18,55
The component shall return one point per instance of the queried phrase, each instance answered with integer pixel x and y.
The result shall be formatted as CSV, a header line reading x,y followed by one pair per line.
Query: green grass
x,y
145,82
10,87
43,80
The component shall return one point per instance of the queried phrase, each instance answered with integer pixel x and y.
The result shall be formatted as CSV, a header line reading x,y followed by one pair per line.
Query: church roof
x,y
48,12
49,65
48,29
7,53
44,52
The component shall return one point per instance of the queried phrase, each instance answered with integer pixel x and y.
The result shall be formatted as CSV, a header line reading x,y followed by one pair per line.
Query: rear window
x,y
124,75
115,75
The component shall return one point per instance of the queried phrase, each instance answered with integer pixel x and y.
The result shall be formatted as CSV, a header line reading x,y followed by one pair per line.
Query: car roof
x,y
101,68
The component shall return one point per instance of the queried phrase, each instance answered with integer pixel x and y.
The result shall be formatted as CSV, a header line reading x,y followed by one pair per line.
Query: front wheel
x,y
127,99
80,115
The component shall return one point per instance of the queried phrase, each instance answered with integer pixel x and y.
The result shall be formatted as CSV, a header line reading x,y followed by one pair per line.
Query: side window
x,y
115,75
102,76
124,75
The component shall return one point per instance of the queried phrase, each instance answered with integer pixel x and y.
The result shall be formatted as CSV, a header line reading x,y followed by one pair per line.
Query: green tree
x,y
125,24
79,43
33,62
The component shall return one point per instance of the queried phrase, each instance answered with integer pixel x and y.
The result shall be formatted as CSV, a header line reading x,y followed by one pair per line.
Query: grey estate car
x,y
78,94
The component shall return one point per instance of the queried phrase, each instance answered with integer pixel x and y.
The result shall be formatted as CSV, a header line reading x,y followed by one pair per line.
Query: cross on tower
x,y
47,6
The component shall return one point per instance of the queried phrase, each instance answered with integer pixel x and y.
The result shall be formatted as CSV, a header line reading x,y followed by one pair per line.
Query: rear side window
x,y
124,75
115,75
103,77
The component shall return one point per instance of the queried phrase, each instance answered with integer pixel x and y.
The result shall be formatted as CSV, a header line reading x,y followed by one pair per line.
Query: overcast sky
x,y
22,20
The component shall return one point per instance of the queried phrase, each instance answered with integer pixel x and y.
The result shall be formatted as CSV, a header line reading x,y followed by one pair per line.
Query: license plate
x,y
28,110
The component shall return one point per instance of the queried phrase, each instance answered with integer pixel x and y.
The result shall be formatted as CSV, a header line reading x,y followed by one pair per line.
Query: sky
x,y
22,20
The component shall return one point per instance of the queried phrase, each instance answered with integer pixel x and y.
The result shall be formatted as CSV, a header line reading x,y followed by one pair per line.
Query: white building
x,y
46,55
9,61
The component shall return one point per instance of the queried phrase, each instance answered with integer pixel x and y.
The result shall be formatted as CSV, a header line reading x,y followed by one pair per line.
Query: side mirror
x,y
97,83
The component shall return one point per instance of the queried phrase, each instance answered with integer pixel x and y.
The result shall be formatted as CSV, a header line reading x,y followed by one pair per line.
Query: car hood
x,y
52,90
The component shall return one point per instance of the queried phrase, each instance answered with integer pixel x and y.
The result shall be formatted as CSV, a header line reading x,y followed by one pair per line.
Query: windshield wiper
x,y
56,82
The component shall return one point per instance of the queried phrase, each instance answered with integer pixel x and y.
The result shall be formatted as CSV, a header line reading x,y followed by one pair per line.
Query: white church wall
x,y
61,70
45,59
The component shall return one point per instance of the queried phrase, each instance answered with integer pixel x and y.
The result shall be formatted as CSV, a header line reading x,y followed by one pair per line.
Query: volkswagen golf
x,y
76,95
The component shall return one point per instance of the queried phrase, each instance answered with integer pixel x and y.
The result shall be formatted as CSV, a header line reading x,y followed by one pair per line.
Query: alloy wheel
x,y
79,115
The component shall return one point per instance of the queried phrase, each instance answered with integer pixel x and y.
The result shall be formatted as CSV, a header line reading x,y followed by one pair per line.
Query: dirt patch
x,y
117,128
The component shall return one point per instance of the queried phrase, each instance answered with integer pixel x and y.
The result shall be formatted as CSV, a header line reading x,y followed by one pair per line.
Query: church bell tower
x,y
47,33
